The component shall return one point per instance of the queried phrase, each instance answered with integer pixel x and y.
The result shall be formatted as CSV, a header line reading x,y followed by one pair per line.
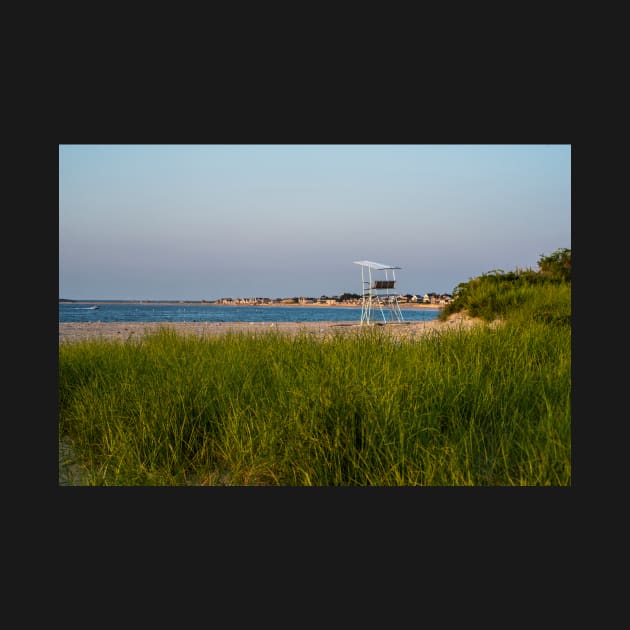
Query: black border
x,y
408,526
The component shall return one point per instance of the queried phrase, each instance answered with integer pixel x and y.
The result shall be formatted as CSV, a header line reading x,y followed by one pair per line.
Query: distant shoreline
x,y
273,305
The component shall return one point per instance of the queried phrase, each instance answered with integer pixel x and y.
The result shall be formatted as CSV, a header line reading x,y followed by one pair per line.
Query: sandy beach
x,y
69,332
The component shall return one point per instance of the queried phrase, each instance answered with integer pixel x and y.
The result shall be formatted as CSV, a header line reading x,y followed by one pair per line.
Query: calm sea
x,y
82,312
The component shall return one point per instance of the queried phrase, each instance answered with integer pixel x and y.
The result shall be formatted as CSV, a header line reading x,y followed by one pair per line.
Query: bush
x,y
499,294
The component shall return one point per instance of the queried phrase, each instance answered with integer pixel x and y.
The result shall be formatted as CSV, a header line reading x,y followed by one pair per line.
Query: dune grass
x,y
484,407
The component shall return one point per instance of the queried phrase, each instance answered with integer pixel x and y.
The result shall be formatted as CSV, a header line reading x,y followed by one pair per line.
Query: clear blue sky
x,y
192,222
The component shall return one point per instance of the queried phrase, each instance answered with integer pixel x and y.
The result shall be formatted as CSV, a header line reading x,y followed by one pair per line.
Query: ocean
x,y
120,312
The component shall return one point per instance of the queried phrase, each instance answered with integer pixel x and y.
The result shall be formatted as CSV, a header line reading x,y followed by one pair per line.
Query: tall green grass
x,y
547,303
490,406
521,295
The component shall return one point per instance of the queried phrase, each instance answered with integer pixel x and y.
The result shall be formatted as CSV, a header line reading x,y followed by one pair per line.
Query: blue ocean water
x,y
120,312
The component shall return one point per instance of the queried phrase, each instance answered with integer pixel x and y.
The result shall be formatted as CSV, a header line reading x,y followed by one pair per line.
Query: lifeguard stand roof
x,y
374,265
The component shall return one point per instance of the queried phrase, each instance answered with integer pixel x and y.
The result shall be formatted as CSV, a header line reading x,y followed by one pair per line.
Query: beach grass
x,y
489,406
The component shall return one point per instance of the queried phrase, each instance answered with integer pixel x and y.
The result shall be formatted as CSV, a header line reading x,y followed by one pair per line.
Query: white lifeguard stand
x,y
378,293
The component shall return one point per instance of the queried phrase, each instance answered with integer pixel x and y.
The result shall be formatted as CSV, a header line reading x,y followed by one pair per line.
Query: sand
x,y
69,332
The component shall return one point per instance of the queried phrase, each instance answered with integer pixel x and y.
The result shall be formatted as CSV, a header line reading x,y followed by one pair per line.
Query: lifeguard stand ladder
x,y
378,293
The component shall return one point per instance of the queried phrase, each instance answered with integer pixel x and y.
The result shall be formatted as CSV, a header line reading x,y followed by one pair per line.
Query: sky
x,y
202,222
